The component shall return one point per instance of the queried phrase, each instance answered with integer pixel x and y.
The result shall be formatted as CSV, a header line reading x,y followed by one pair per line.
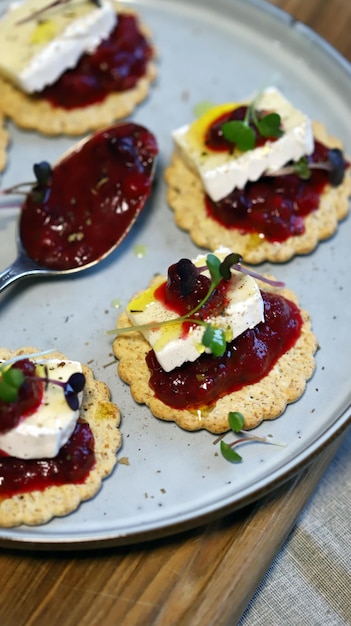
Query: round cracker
x,y
32,113
186,197
4,139
38,507
264,400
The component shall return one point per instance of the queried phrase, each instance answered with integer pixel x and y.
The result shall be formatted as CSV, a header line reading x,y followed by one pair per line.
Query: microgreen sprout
x,y
71,388
38,188
236,422
51,5
12,379
213,338
335,166
242,133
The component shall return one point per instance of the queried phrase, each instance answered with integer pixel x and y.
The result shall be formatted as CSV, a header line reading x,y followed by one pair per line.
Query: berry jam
x,y
215,140
30,396
96,193
246,361
171,296
273,207
72,465
115,66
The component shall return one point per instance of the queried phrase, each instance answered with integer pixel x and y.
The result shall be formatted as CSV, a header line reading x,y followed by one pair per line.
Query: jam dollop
x,y
30,395
71,465
247,360
95,194
274,207
115,66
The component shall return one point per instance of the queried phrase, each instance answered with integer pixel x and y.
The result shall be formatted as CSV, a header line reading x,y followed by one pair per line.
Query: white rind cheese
x,y
172,349
42,434
35,53
222,172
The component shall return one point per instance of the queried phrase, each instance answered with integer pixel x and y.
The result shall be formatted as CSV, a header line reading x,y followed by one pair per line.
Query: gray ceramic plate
x,y
174,480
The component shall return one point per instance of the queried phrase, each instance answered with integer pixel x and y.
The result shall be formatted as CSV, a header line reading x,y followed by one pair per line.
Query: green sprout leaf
x,y
230,454
243,135
302,169
11,379
214,338
269,125
240,134
236,421
225,267
8,393
214,264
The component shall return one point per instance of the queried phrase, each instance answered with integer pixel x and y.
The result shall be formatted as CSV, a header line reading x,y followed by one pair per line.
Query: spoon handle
x,y
20,268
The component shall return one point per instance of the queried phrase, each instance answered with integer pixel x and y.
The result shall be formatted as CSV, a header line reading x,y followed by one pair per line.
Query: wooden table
x,y
190,579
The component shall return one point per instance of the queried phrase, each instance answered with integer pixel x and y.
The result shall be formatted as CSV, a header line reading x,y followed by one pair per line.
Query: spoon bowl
x,y
109,175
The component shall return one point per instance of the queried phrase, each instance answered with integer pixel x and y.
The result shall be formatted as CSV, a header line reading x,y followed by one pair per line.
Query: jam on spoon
x,y
95,194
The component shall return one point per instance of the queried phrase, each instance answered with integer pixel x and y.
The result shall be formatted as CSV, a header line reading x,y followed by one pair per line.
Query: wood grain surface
x,y
191,579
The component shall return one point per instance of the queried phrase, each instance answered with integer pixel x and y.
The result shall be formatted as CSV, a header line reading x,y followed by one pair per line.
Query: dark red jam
x,y
115,66
94,197
273,207
72,465
214,138
29,398
247,360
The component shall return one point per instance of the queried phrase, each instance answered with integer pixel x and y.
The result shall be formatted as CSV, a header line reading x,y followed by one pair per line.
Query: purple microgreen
x,y
43,173
71,388
230,260
38,188
236,422
187,273
12,378
335,166
264,279
51,5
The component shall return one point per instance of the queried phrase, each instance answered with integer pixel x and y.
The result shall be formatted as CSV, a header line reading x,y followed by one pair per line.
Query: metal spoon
x,y
24,266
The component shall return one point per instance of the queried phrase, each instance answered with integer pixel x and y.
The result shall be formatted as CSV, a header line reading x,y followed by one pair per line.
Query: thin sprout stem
x,y
290,169
37,13
16,189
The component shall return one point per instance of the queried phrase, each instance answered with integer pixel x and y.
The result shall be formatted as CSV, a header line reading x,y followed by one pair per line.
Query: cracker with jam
x,y
200,394
286,211
97,431
105,85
